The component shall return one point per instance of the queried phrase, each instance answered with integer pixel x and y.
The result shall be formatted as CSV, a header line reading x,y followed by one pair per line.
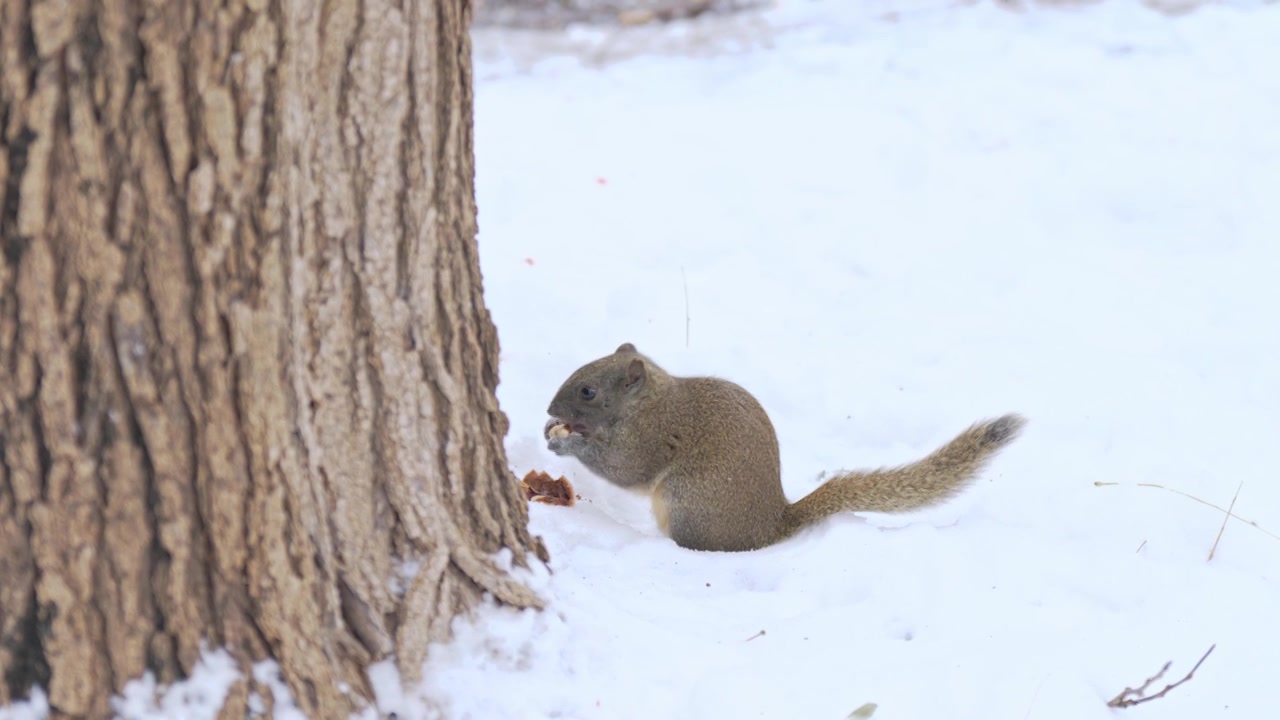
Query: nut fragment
x,y
540,487
558,431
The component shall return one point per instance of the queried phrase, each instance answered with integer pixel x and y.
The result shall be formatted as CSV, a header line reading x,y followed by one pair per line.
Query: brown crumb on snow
x,y
538,486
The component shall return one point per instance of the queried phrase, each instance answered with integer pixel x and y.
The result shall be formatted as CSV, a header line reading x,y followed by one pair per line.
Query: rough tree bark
x,y
246,372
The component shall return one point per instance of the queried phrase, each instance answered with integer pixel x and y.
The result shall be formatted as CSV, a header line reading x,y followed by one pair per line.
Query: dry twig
x,y
1225,518
1136,696
1099,483
685,280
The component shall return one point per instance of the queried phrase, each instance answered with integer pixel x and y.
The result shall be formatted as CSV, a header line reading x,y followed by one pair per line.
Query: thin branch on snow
x,y
1100,483
1225,518
1136,696
685,280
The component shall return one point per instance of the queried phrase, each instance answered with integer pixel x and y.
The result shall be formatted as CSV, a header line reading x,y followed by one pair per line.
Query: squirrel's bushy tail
x,y
938,477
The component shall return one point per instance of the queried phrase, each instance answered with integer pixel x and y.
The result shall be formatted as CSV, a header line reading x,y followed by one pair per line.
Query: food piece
x,y
540,487
560,430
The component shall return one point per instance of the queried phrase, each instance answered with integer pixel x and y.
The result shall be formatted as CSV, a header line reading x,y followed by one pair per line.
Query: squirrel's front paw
x,y
561,440
566,445
555,428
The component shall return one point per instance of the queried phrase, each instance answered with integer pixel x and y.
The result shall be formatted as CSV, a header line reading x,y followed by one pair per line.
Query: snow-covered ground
x,y
887,227
887,220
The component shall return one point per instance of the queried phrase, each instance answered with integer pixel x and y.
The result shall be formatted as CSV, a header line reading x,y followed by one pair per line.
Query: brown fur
x,y
706,450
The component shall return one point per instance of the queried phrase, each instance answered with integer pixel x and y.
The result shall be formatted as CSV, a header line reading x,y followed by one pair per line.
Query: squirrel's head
x,y
597,394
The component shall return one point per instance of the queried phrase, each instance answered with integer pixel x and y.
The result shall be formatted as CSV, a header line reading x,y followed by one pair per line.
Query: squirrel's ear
x,y
635,374
625,347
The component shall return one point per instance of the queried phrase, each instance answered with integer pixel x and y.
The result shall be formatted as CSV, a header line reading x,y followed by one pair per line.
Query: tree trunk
x,y
246,372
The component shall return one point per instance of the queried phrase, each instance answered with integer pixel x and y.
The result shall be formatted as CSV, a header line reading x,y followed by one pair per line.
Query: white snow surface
x,y
889,227
199,697
888,220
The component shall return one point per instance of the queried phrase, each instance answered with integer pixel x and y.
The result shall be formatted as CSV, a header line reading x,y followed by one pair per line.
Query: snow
x,y
199,697
34,708
267,674
886,228
887,220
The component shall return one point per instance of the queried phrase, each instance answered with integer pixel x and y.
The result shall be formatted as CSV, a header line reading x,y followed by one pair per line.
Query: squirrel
x,y
706,452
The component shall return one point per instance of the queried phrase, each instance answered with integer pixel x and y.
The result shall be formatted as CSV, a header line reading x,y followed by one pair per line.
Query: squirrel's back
x,y
723,489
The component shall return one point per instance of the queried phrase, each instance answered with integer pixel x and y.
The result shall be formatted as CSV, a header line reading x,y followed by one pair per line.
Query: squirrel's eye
x,y
588,393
